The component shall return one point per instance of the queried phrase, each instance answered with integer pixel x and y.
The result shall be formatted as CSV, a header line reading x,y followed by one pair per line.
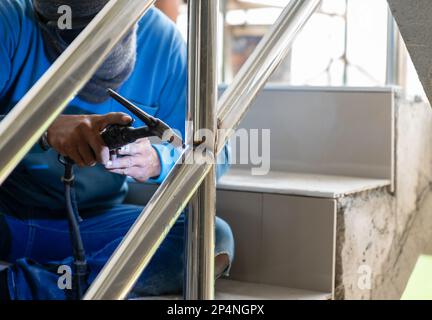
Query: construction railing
x,y
190,181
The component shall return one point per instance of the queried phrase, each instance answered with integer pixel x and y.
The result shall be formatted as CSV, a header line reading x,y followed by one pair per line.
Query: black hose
x,y
80,263
74,226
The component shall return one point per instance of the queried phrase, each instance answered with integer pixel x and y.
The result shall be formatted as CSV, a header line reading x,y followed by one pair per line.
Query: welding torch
x,y
118,136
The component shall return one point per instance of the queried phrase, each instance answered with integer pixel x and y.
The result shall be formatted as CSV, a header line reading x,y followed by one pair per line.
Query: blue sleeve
x,y
9,25
173,106
12,14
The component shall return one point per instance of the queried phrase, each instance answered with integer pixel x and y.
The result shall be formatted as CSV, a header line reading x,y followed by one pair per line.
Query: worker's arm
x,y
9,35
173,102
138,160
10,29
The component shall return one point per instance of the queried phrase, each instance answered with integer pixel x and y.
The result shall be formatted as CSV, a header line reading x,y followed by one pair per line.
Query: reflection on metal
x,y
255,72
139,245
199,277
32,116
20,130
141,242
393,51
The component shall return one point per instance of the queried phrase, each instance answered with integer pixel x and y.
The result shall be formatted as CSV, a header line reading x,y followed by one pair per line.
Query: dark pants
x,y
37,246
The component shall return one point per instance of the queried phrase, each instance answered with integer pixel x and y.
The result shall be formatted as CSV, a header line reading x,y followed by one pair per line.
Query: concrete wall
x,y
415,24
381,233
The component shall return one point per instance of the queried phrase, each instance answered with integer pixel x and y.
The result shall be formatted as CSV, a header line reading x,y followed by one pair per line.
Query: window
x,y
344,44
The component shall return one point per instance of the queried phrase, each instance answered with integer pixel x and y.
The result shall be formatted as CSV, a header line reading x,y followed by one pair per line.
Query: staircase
x,y
326,145
345,211
334,218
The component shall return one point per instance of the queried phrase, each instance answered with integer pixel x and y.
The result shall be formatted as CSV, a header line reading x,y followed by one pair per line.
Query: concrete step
x,y
281,240
238,290
278,182
300,184
325,131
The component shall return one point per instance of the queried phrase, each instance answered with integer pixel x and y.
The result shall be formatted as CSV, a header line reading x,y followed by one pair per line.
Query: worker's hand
x,y
78,136
138,160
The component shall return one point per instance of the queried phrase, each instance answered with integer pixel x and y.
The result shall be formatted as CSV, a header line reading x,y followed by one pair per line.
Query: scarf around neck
x,y
117,67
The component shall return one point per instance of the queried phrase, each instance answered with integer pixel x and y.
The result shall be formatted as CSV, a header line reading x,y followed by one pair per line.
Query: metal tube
x,y
393,52
139,245
200,242
129,260
32,116
263,62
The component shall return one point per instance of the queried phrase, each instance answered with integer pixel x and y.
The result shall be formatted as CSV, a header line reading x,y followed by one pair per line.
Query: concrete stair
x,y
327,144
237,290
328,215
344,207
344,211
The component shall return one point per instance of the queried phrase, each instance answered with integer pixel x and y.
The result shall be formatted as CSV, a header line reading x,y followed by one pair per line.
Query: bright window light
x,y
268,3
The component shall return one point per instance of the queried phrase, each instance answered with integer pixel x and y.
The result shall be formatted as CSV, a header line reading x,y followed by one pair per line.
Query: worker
x,y
148,67
170,7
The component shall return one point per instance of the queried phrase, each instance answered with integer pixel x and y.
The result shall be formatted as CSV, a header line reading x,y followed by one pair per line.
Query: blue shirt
x,y
157,85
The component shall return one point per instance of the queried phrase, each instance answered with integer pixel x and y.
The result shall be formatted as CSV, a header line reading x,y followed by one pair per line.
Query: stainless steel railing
x,y
200,236
122,276
32,116
21,129
141,242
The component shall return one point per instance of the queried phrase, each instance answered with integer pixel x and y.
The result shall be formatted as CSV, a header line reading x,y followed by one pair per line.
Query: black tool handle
x,y
117,136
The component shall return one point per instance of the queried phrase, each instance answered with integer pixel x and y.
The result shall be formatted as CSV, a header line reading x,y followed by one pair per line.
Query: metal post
x,y
151,227
392,50
139,245
200,242
396,56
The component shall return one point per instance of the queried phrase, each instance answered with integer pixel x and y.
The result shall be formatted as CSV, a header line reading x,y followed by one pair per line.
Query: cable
x,y
80,262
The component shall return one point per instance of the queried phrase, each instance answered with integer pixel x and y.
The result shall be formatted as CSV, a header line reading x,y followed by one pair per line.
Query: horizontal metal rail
x,y
45,101
129,260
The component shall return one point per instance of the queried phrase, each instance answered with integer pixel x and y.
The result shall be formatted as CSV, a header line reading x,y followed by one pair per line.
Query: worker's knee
x,y
224,241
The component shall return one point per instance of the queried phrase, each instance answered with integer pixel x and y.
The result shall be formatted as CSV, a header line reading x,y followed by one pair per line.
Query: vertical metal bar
x,y
139,245
394,54
345,54
392,51
200,242
141,242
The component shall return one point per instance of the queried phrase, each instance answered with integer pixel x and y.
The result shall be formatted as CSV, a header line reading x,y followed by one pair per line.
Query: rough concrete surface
x,y
415,24
380,235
